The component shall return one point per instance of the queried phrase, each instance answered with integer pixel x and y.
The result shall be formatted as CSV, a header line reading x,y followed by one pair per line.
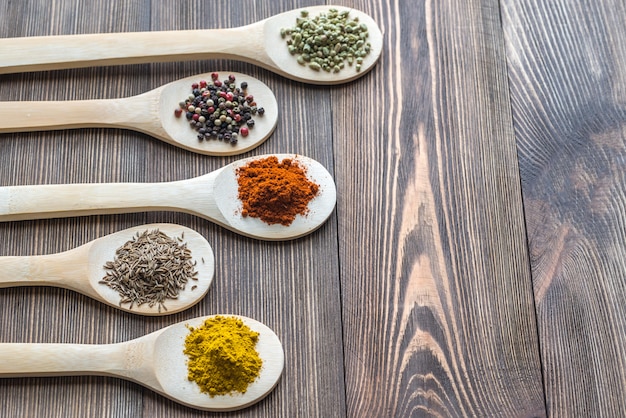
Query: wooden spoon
x,y
155,360
213,196
151,113
80,269
259,43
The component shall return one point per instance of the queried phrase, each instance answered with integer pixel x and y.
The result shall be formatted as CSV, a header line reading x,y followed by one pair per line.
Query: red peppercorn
x,y
195,116
237,117
202,84
215,76
211,109
178,112
194,86
249,98
244,131
229,96
217,83
223,94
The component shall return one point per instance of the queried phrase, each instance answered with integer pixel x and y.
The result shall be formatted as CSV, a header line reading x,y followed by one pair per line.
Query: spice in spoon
x,y
222,355
328,41
150,268
220,110
275,191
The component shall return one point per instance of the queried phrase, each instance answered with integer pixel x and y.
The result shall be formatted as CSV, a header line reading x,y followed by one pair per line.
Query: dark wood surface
x,y
567,69
473,265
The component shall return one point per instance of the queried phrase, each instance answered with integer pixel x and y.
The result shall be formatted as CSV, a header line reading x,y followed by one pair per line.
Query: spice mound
x,y
222,356
327,41
150,268
275,191
219,109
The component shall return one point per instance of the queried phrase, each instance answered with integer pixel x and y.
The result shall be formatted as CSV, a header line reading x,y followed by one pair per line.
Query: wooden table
x,y
474,265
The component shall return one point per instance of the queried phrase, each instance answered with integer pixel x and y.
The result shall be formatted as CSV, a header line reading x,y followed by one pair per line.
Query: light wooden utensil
x,y
80,269
213,196
259,43
151,113
155,360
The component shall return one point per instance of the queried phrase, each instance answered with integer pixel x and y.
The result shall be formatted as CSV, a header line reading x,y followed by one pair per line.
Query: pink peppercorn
x,y
194,86
202,84
178,112
215,76
244,131
195,116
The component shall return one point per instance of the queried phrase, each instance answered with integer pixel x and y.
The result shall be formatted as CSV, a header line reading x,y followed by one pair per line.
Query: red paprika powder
x,y
275,191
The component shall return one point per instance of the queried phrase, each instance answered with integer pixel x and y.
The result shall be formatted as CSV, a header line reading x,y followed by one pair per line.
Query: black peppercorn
x,y
219,109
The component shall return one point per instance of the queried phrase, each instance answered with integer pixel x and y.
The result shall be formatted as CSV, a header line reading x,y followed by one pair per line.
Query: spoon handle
x,y
42,53
193,196
67,269
25,359
63,200
51,115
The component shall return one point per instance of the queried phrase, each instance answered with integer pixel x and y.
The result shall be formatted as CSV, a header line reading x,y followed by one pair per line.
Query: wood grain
x,y
54,315
293,288
567,67
418,296
437,297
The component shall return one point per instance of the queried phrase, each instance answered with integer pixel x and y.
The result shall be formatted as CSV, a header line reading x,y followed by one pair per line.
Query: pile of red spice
x,y
275,191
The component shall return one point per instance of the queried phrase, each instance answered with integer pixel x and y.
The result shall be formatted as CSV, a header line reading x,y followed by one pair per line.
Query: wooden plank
x,y
436,287
292,287
55,315
567,66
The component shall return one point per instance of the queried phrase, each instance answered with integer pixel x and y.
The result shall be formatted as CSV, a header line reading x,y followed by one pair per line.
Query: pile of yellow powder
x,y
222,355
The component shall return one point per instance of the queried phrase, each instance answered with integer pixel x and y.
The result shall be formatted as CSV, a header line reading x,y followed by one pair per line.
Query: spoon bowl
x,y
172,370
155,361
81,269
151,113
319,209
263,47
213,196
288,66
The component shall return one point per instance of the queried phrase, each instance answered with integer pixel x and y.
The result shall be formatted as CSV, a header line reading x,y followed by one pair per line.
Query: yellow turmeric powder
x,y
222,355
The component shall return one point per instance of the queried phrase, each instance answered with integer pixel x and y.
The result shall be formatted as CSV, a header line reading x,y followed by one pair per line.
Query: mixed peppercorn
x,y
219,109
